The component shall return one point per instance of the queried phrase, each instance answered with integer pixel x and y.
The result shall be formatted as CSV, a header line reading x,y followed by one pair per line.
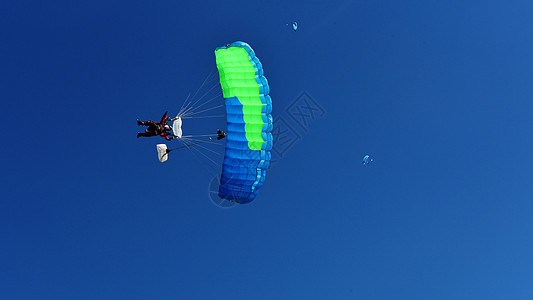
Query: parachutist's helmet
x,y
167,127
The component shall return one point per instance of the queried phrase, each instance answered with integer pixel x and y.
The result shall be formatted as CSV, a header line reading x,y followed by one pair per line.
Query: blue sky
x,y
438,92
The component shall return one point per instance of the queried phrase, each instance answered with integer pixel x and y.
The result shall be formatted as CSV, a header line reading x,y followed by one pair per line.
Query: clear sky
x,y
438,92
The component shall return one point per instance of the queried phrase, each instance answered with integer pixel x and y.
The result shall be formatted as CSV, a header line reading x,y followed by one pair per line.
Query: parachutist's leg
x,y
152,129
145,134
145,123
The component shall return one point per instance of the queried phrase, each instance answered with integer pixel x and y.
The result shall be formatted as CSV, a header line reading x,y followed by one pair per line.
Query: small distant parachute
x,y
367,160
294,26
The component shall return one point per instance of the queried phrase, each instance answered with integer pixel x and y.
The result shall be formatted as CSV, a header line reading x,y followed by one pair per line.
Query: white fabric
x,y
162,152
176,127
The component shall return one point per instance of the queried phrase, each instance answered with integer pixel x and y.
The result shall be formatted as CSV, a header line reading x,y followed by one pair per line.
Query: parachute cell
x,y
249,122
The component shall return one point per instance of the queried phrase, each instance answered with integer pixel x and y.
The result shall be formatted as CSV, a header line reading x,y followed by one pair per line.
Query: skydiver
x,y
160,128
367,160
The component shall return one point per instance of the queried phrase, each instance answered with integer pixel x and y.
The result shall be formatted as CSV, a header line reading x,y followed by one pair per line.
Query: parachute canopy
x,y
162,152
367,160
295,26
249,122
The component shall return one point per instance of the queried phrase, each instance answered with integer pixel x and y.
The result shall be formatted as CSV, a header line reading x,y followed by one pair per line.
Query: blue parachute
x,y
295,26
367,160
249,122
